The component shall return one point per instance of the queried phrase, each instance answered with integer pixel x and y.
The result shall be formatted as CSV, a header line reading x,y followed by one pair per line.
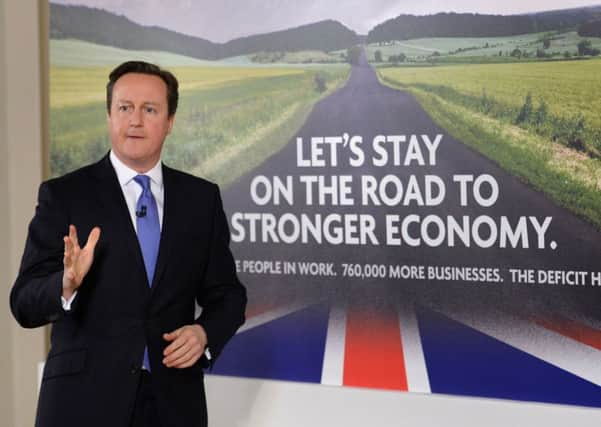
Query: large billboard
x,y
414,195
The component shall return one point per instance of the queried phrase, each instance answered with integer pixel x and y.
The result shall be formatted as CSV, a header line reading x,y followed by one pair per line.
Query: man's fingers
x,y
170,336
179,342
68,244
184,356
176,354
93,238
69,254
185,349
185,361
176,342
73,235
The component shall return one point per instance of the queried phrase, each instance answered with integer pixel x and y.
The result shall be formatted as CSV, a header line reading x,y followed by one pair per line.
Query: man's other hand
x,y
77,261
187,346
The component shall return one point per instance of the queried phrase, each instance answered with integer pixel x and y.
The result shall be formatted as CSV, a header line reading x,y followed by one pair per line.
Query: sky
x,y
223,20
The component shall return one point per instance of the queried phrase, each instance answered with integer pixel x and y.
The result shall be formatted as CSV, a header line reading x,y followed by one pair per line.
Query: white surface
x,y
333,358
415,363
237,402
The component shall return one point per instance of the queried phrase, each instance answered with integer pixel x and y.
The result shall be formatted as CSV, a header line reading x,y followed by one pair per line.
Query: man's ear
x,y
171,121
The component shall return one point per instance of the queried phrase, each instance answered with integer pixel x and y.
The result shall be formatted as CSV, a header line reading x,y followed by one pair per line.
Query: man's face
x,y
138,120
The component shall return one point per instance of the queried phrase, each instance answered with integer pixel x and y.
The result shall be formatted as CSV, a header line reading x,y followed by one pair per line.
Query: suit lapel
x,y
170,203
110,196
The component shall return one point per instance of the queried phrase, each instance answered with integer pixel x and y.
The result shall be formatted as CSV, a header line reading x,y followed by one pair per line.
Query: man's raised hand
x,y
77,261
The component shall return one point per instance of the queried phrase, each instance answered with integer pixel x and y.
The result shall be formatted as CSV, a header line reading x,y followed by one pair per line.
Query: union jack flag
x,y
422,346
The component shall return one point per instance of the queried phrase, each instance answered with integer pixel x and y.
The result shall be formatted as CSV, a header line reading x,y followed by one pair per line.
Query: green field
x,y
466,47
555,146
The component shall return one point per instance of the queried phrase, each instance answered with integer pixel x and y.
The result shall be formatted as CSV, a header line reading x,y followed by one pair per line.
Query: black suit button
x,y
134,369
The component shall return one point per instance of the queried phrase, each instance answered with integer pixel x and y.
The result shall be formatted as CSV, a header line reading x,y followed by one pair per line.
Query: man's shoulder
x,y
187,179
77,177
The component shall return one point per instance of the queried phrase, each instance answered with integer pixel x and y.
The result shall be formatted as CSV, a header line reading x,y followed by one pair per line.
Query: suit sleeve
x,y
35,299
221,296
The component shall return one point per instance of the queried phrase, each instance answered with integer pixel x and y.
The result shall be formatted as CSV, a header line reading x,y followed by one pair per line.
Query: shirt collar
x,y
125,174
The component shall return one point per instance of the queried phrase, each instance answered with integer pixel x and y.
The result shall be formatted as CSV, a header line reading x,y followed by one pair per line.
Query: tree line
x,y
405,27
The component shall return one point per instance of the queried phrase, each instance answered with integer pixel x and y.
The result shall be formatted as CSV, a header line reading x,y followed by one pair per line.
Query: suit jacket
x,y
93,367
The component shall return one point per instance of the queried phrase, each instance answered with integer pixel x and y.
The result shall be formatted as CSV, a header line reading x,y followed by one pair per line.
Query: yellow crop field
x,y
72,86
77,86
568,87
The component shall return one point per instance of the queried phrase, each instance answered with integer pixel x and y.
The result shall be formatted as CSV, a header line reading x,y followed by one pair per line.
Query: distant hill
x,y
405,27
324,35
568,18
105,28
590,29
101,27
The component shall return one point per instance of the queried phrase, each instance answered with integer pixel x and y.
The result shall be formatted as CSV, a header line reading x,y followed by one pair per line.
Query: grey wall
x,y
20,174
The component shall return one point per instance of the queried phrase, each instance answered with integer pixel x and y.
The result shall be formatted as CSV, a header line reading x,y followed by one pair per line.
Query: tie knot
x,y
144,181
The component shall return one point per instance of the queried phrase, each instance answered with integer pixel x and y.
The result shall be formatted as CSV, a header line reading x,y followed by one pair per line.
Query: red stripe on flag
x,y
373,351
571,329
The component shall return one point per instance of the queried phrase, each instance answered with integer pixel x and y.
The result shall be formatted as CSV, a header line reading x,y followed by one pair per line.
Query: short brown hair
x,y
142,67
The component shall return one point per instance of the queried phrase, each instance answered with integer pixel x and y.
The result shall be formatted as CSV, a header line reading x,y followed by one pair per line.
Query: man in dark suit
x,y
127,348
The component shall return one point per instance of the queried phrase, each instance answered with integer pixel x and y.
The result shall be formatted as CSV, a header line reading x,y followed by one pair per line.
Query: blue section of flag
x,y
461,360
289,348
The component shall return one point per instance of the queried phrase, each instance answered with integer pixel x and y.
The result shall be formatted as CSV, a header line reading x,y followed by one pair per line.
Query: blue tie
x,y
149,234
149,229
